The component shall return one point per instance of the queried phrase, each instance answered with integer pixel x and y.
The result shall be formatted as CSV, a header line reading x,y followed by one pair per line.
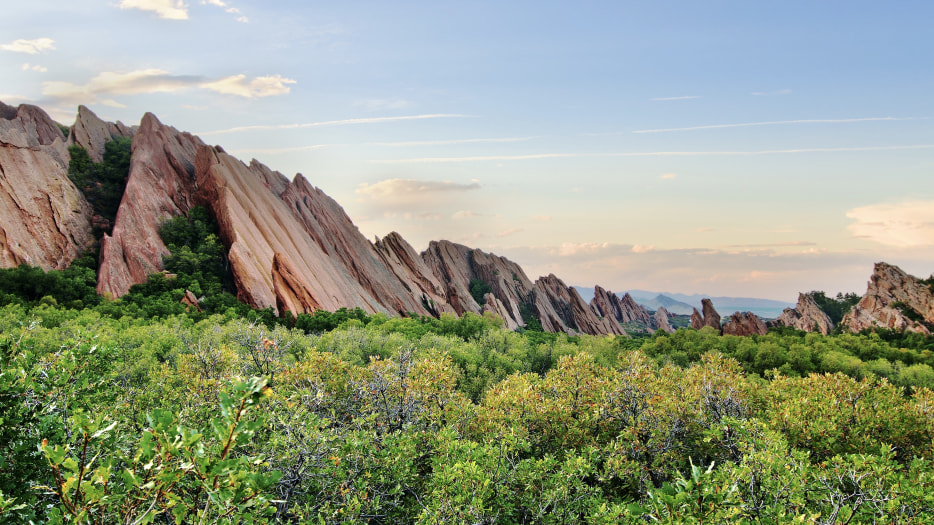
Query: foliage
x,y
478,290
835,307
102,183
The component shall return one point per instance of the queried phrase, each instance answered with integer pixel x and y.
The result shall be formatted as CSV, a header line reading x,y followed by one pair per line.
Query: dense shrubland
x,y
145,410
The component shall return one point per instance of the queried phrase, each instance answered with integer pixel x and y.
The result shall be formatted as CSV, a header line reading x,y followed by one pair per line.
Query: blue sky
x,y
720,147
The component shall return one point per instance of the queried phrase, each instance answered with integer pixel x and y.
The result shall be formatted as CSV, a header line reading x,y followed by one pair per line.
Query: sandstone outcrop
x,y
260,228
744,324
608,305
893,300
93,134
44,218
409,267
806,315
709,316
161,185
660,320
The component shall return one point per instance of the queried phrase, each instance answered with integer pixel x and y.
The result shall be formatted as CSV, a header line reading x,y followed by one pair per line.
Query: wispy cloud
x,y
666,99
278,151
227,8
160,81
510,231
406,187
907,224
168,9
774,244
30,47
428,160
465,214
668,176
257,87
345,122
779,123
452,141
34,67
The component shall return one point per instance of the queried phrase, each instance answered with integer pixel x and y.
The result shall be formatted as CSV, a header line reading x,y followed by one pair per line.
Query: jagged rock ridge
x,y
894,300
806,315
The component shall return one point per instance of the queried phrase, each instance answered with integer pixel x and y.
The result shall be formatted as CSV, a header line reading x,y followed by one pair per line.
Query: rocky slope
x,y
709,316
893,300
45,221
661,321
744,324
806,315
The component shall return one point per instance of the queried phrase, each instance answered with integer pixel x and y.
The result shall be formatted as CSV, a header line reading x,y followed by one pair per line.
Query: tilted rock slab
x,y
161,185
93,134
661,321
45,220
608,305
877,309
806,316
709,316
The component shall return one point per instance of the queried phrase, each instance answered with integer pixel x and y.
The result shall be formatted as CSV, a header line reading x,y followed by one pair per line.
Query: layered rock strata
x,y
661,320
893,300
708,316
93,134
45,220
806,316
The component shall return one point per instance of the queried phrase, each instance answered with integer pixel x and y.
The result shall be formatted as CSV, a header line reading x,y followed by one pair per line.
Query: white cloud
x,y
907,224
111,83
112,103
452,141
30,47
227,9
779,122
257,87
666,99
168,9
510,231
425,160
668,176
34,67
394,188
465,214
159,81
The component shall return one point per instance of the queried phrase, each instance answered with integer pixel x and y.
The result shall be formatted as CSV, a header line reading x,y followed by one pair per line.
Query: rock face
x,y
709,317
660,320
290,246
92,133
806,315
160,186
744,324
893,300
44,218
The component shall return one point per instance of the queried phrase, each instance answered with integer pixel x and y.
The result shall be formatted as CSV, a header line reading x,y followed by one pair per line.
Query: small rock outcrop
x,y
660,320
806,315
45,220
744,324
93,134
894,300
709,316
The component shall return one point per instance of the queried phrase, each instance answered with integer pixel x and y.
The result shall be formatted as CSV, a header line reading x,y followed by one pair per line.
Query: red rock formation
x,y
337,236
92,133
257,225
409,268
561,309
744,324
709,317
806,315
160,186
660,320
890,293
44,218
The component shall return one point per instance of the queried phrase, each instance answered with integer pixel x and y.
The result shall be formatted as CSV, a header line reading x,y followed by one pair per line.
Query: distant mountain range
x,y
683,304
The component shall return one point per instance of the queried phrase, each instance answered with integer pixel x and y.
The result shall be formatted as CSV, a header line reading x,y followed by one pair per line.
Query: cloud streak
x,y
345,122
167,9
452,141
30,47
159,81
777,123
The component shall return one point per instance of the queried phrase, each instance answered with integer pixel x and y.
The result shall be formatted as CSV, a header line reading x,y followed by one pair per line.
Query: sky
x,y
736,148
